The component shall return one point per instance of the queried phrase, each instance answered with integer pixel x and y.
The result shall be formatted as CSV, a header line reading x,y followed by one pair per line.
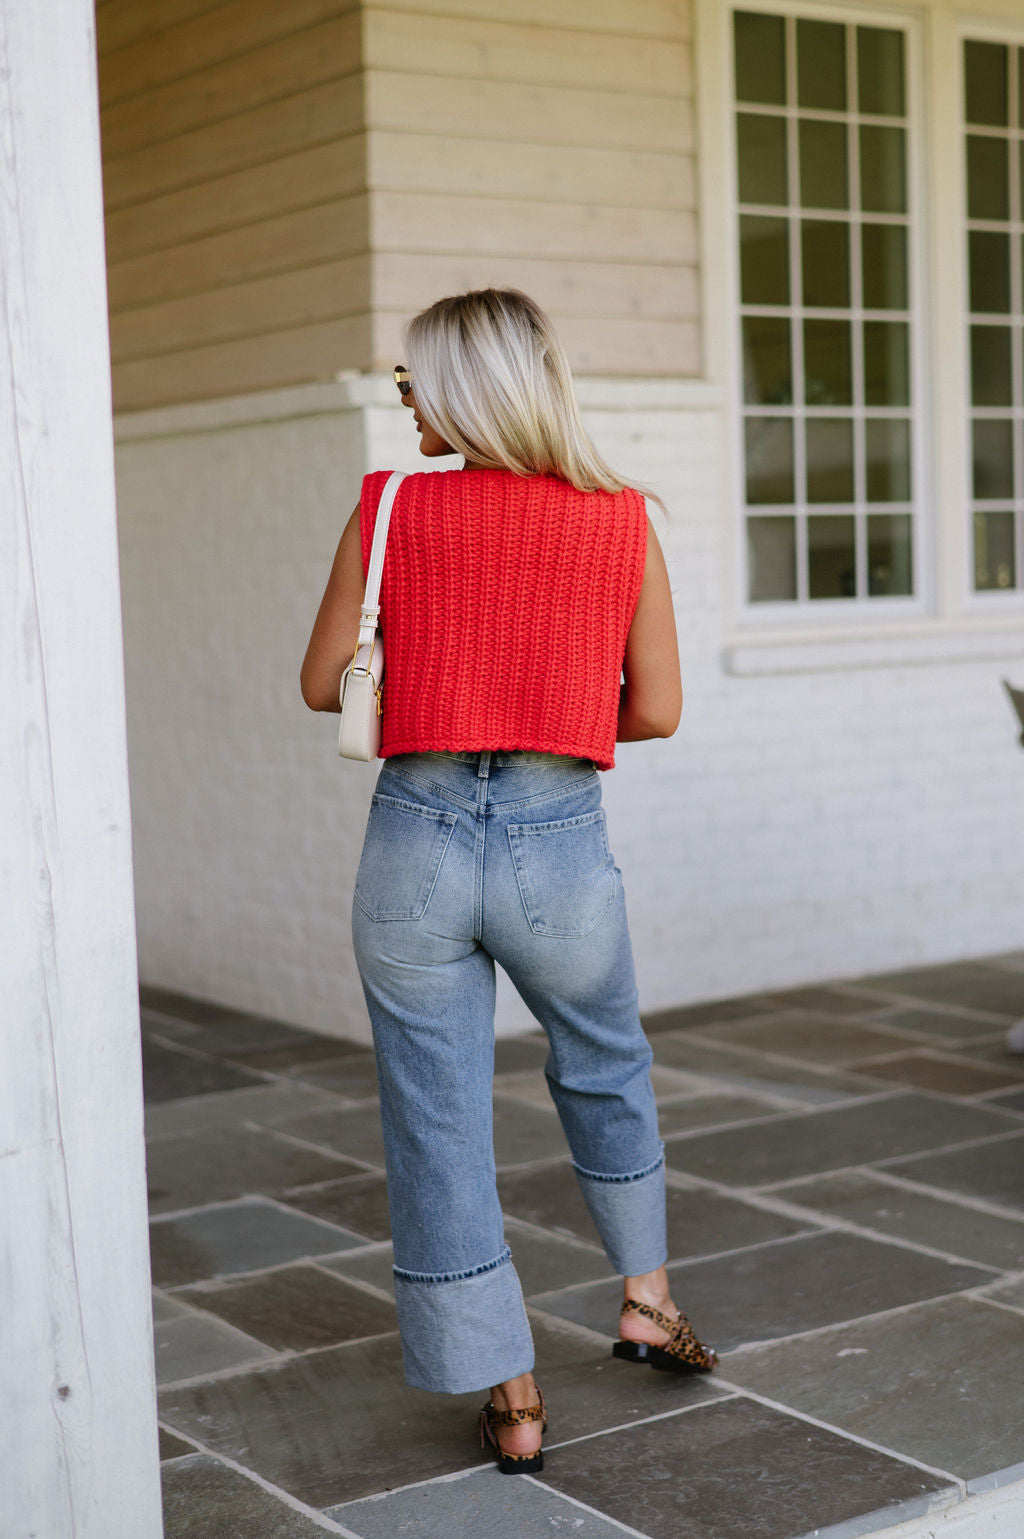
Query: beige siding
x,y
546,146
234,183
285,185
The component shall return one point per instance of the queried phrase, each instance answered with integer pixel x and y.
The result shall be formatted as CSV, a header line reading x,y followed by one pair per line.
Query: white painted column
x,y
78,1449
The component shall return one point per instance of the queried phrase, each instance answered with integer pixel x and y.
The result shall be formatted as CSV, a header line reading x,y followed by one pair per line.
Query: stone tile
x,y
1012,1101
371,1264
947,1025
802,1143
860,1197
165,1308
744,1071
230,1162
545,1261
994,1054
296,1308
325,1426
204,1498
512,1054
225,1026
942,1073
934,1383
710,1110
266,1104
172,1447
185,1006
994,1172
699,1222
358,1203
524,1133
821,998
971,985
353,1131
738,1469
794,1285
353,1076
483,1505
237,1237
1010,1293
168,1074
295,1056
167,1027
808,1038
684,1016
195,1345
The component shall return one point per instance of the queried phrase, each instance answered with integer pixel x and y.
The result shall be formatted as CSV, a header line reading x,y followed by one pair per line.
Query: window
x,y
825,309
994,113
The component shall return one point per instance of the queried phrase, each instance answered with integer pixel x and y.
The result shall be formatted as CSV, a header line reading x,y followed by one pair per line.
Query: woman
x,y
517,593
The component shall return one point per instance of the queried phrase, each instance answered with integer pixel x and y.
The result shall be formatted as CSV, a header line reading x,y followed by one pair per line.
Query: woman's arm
x,y
336,627
651,699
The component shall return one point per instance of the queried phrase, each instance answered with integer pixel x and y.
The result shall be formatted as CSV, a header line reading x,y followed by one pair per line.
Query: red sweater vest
x,y
505,605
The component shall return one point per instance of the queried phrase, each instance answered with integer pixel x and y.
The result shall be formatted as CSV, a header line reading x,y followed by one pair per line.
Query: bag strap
x,y
370,613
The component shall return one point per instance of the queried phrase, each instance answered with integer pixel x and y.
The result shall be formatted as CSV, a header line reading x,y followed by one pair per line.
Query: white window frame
x,y
944,603
993,601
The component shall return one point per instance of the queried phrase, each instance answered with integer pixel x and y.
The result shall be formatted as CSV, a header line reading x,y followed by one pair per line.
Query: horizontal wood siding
x,y
237,220
546,146
285,185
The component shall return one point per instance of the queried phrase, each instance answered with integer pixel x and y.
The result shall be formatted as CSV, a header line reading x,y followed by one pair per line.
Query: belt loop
x,y
484,767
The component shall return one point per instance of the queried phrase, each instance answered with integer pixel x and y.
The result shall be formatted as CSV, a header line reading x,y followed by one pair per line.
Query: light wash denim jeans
x,y
472,859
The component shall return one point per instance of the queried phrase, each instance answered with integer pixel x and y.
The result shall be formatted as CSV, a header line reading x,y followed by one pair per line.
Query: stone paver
x,y
845,1216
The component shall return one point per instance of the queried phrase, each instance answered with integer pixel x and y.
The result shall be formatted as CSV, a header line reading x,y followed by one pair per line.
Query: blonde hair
x,y
492,378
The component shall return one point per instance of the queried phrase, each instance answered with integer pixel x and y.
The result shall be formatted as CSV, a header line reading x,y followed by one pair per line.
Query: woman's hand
x,y
336,627
651,699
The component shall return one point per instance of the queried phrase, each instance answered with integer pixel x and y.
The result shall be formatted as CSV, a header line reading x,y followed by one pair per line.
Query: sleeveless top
x,y
504,608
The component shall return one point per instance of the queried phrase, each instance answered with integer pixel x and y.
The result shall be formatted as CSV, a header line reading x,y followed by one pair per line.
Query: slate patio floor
x,y
846,1223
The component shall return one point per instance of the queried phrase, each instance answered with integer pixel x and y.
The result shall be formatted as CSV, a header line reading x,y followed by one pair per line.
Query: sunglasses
x,y
403,379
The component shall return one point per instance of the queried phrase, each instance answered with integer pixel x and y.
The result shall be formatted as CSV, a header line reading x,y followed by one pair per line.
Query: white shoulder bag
x,y
362,681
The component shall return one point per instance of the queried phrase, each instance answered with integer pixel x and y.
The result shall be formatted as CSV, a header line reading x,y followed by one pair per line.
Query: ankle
x,y
515,1394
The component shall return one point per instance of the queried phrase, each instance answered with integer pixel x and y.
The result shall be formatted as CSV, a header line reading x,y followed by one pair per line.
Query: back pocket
x,y
402,854
566,874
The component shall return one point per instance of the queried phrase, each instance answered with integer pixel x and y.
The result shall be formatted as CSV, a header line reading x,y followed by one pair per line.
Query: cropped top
x,y
505,604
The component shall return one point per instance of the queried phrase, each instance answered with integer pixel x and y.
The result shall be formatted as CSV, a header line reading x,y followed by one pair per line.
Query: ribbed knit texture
x,y
505,605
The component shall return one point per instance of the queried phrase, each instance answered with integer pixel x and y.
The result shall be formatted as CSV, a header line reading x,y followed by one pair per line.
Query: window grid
x,y
857,412
1007,576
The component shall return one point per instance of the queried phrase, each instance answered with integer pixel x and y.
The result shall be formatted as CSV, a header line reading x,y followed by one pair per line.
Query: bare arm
x,y
337,624
651,700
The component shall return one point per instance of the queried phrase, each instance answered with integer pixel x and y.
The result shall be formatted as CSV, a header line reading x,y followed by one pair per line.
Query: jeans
x,y
472,859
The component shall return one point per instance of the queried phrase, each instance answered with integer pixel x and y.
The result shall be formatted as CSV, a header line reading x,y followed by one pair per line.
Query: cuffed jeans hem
x,y
629,1211
463,1334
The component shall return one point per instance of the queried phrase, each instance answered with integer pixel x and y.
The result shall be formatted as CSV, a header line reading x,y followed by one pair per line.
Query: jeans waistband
x,y
504,757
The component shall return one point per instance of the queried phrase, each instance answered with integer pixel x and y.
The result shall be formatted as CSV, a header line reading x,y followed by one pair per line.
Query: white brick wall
x,y
801,825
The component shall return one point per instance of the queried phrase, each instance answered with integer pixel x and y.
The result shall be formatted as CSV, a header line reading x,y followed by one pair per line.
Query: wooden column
x,y
77,1422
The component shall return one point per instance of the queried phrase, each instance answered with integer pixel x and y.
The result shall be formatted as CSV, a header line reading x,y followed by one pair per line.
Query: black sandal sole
x,y
655,1357
529,1464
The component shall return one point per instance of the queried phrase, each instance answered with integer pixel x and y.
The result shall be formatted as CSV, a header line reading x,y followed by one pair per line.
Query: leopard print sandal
x,y
491,1418
683,1354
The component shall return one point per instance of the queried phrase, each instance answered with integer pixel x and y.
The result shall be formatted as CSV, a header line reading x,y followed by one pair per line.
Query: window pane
x,y
823,181
829,459
883,185
886,363
890,554
995,555
761,153
821,64
764,261
767,373
989,257
771,554
986,79
825,258
988,178
884,266
769,457
887,444
880,71
993,458
831,557
991,377
827,372
760,58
